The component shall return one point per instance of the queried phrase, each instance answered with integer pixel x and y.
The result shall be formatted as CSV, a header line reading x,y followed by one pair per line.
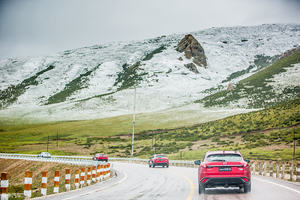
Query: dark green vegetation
x,y
128,77
264,134
131,75
77,84
11,94
256,90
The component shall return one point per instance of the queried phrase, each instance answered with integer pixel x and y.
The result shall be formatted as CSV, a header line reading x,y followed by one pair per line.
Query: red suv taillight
x,y
245,179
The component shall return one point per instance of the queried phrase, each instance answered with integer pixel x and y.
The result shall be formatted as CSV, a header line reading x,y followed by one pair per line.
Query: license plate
x,y
225,169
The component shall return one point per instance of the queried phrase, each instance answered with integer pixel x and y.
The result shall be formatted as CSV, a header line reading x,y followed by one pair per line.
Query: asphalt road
x,y
139,182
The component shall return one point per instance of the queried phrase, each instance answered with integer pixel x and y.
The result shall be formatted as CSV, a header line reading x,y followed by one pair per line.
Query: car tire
x,y
167,166
201,189
247,188
153,165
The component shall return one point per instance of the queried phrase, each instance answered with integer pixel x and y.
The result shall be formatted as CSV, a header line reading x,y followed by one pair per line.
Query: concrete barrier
x,y
28,184
44,183
68,180
77,178
89,174
4,186
82,177
94,174
98,173
56,182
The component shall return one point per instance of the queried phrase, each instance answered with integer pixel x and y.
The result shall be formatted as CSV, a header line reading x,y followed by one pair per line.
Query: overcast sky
x,y
41,27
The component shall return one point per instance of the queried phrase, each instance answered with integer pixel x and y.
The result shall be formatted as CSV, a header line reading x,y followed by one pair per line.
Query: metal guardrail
x,y
73,160
87,160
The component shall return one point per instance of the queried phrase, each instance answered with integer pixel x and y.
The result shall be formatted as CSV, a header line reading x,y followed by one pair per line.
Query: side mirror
x,y
197,162
248,161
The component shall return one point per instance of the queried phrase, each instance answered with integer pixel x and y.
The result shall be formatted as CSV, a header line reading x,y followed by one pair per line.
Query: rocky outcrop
x,y
192,49
192,68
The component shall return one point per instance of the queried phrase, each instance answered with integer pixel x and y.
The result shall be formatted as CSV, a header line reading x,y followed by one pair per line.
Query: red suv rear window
x,y
224,158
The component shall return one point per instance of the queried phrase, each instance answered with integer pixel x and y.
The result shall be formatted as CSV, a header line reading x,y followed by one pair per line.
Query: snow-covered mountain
x,y
98,81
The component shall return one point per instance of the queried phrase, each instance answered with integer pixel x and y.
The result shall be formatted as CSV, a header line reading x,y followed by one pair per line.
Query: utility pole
x,y
48,143
57,139
294,145
133,121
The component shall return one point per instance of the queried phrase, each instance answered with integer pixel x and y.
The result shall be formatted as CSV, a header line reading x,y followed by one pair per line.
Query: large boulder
x,y
192,49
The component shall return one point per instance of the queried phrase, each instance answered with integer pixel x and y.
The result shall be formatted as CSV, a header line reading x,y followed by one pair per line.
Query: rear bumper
x,y
161,164
210,182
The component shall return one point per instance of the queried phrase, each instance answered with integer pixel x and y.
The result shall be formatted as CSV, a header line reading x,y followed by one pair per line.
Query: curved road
x,y
139,182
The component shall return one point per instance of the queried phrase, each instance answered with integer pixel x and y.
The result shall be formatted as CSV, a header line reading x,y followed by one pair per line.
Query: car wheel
x,y
201,189
167,166
247,188
153,165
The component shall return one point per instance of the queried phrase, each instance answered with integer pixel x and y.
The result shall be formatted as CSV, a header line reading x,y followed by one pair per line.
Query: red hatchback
x,y
159,160
100,157
224,168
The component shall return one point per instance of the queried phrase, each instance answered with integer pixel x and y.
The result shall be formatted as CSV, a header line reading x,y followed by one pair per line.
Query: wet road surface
x,y
139,182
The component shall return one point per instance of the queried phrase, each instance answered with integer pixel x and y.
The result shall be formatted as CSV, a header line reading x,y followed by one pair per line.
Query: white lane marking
x,y
283,186
97,190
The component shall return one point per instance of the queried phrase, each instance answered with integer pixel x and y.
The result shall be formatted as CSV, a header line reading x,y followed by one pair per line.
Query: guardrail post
x,y
271,169
88,181
283,170
56,182
298,172
94,174
44,183
4,186
259,168
98,173
67,179
28,184
82,175
291,171
264,170
77,178
277,170
253,168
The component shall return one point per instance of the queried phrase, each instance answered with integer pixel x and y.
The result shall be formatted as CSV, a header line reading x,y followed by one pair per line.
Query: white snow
x,y
167,83
290,78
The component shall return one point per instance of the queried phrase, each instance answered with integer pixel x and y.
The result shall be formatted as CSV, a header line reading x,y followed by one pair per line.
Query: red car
x,y
224,168
159,160
100,157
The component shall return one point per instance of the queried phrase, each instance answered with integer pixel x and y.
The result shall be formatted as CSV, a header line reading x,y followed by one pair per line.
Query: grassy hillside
x,y
264,134
255,91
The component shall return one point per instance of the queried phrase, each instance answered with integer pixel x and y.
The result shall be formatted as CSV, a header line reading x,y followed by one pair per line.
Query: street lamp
x,y
133,121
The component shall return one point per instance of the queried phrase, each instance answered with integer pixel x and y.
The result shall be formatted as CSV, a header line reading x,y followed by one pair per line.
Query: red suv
x,y
159,160
100,157
224,168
